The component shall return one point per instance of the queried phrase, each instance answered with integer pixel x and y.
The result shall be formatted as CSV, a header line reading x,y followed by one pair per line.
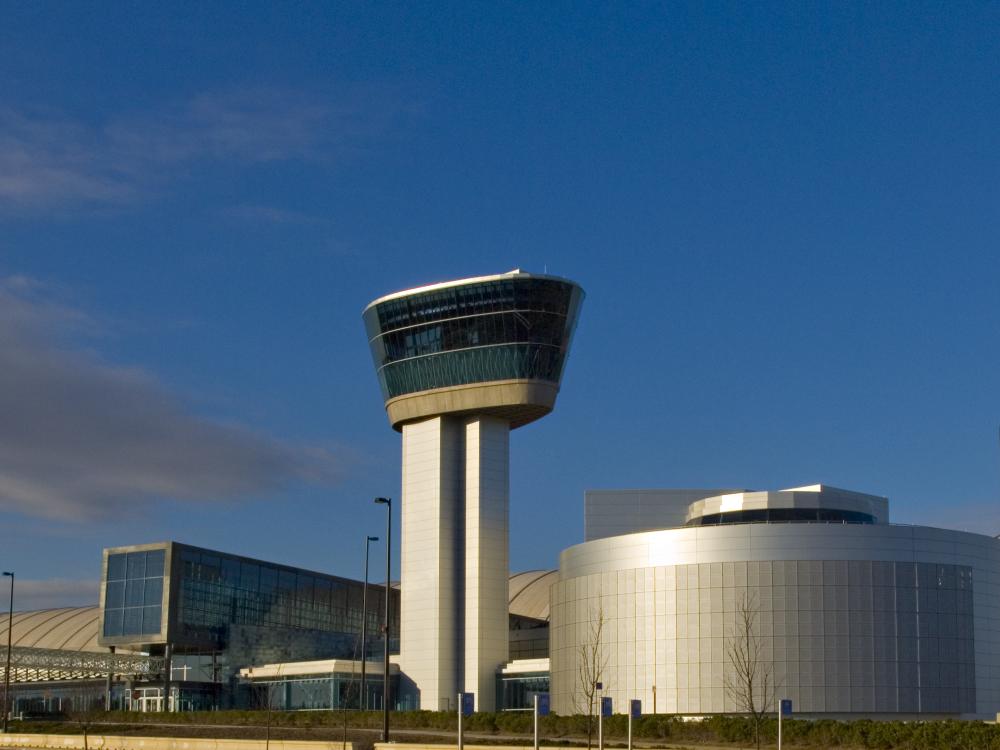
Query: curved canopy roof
x,y
67,629
529,593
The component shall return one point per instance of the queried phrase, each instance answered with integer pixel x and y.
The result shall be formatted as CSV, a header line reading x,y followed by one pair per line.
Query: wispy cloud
x,y
50,161
56,592
81,438
47,161
257,214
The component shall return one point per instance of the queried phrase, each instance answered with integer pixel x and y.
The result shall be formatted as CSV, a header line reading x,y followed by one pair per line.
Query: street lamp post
x,y
387,502
6,674
363,698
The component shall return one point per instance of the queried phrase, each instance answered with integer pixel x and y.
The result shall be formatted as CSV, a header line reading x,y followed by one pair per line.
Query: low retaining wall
x,y
528,744
132,742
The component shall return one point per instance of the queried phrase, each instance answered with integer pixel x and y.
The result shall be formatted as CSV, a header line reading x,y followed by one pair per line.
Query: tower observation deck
x,y
460,364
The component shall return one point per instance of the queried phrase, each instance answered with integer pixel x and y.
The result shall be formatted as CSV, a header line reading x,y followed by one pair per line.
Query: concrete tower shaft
x,y
460,365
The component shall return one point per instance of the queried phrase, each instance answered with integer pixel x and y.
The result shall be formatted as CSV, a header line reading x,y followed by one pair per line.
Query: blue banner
x,y
606,706
543,704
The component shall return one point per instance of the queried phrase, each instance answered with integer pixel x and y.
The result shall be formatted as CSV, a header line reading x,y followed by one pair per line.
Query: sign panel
x,y
468,704
606,706
543,704
786,706
635,708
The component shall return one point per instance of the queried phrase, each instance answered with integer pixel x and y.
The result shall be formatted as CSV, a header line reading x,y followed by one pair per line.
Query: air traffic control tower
x,y
461,364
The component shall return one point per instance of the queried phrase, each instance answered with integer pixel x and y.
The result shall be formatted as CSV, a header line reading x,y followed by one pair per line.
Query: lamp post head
x,y
6,573
373,539
383,500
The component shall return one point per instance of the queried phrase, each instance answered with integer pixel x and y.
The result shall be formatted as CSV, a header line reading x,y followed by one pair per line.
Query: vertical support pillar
x,y
430,558
487,492
454,562
107,689
168,653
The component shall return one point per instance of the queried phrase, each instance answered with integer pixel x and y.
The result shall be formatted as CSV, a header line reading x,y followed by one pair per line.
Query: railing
x,y
43,664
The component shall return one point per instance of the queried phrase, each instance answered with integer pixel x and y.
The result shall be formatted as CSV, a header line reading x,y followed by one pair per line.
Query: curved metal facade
x,y
855,619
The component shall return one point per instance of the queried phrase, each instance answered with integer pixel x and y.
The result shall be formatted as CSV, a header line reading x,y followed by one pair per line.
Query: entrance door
x,y
147,700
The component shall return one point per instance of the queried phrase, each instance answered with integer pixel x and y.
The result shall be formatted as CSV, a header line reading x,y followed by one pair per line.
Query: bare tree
x,y
591,663
83,711
750,677
262,696
352,687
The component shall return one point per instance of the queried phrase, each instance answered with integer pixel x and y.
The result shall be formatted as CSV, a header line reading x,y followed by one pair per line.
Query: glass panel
x,y
231,571
116,567
153,593
323,593
268,579
154,563
305,589
112,622
151,620
211,568
133,592
286,582
136,565
249,576
114,595
133,621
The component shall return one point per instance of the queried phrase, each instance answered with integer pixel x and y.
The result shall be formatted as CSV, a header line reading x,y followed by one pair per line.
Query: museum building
x,y
854,616
850,615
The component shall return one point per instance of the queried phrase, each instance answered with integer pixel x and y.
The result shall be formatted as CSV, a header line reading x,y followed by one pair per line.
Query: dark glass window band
x,y
516,326
783,515
500,295
465,366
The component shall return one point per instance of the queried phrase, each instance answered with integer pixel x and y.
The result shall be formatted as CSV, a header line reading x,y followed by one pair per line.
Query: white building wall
x,y
826,593
487,471
430,558
454,570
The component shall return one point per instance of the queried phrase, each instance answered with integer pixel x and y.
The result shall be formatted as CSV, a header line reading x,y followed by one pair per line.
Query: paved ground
x,y
363,739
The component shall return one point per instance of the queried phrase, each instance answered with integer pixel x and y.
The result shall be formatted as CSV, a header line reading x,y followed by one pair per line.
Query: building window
x,y
133,594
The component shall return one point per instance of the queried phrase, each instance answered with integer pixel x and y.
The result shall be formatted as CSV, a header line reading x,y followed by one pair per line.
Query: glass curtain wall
x,y
504,329
134,594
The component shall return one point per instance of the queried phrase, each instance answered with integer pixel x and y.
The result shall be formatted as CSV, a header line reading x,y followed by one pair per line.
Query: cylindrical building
x,y
852,615
461,364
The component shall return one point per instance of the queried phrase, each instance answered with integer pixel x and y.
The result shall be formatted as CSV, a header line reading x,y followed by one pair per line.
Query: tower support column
x,y
455,509
430,558
487,514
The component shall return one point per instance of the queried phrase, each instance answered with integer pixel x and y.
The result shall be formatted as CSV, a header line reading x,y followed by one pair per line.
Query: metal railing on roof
x,y
44,664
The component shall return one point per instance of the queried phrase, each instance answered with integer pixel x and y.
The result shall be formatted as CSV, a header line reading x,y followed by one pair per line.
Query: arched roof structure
x,y
529,593
65,629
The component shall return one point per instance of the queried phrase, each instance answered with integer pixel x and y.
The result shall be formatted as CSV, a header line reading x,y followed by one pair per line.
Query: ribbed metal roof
x,y
529,593
68,628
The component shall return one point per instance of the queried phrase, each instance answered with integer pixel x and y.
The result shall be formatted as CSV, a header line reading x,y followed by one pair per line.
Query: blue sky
x,y
785,217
